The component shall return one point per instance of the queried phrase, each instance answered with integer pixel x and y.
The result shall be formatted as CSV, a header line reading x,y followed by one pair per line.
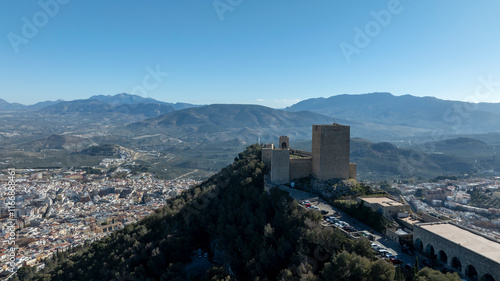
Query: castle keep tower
x,y
330,151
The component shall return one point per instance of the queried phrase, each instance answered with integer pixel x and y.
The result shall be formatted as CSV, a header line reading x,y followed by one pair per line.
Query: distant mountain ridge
x,y
112,101
124,98
417,112
120,103
93,106
5,105
127,99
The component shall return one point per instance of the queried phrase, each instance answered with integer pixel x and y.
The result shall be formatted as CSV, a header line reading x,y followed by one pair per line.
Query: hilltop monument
x,y
329,158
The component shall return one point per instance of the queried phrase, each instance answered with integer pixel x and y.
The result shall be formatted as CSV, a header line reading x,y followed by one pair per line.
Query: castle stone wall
x,y
266,156
300,167
280,166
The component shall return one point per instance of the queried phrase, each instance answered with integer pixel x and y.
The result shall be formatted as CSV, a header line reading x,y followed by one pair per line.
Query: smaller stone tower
x,y
284,142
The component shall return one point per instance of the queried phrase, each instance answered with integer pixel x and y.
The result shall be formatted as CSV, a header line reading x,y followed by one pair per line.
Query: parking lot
x,y
392,247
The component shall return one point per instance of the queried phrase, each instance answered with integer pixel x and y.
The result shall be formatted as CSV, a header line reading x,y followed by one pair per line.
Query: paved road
x,y
391,245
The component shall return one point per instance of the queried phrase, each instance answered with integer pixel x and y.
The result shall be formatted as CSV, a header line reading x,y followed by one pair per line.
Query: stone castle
x,y
329,158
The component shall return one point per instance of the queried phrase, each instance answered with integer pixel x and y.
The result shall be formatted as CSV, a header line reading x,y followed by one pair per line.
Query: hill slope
x,y
223,122
62,142
236,116
384,160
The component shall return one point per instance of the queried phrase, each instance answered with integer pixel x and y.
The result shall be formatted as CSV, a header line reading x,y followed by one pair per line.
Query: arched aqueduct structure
x,y
475,256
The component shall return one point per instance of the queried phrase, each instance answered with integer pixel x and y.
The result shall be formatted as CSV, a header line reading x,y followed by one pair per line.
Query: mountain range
x,y
429,113
386,130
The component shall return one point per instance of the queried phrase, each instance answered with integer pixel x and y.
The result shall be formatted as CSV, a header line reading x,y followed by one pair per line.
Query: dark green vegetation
x,y
363,214
258,235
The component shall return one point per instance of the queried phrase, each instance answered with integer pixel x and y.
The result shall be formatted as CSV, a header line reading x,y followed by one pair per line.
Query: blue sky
x,y
273,53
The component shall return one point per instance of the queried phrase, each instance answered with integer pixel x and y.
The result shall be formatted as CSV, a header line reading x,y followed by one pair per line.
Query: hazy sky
x,y
273,53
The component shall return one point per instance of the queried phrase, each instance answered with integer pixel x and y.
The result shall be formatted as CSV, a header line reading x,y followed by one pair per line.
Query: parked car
x,y
324,212
333,219
349,228
382,251
394,259
343,223
305,202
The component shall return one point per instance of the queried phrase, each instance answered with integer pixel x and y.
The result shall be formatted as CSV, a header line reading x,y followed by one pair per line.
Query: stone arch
x,y
283,145
419,245
443,257
429,249
471,272
487,277
455,263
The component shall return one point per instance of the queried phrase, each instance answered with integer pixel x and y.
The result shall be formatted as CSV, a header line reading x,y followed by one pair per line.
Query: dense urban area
x,y
473,202
58,209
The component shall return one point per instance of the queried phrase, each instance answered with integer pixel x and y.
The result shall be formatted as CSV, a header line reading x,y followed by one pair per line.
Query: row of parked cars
x,y
345,226
338,223
330,218
308,205
384,253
